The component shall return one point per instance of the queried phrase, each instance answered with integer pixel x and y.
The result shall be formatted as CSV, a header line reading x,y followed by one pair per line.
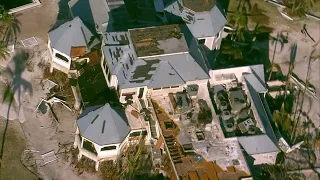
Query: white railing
x,y
35,3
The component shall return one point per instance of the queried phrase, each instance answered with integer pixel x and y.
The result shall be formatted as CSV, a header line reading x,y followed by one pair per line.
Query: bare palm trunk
x,y
6,128
293,134
272,62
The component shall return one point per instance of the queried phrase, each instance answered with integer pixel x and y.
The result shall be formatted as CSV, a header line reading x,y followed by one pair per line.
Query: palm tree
x,y
307,82
16,85
9,26
292,61
3,51
280,38
8,97
297,8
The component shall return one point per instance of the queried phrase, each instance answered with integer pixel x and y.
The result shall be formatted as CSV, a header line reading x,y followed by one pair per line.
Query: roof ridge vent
x,y
94,119
104,123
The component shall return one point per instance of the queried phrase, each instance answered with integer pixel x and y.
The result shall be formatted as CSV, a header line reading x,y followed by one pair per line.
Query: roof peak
x,y
105,125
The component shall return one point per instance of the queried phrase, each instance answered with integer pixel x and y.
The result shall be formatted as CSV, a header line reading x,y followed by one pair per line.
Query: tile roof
x,y
78,51
104,125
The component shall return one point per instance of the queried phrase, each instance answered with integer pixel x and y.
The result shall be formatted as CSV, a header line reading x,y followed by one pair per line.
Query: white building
x,y
262,147
205,19
68,43
103,132
150,61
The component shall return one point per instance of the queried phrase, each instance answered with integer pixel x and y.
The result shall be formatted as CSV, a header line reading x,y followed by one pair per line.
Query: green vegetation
x,y
133,163
94,89
298,8
9,27
248,41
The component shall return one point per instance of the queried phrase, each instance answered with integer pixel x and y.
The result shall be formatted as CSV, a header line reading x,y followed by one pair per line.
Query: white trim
x,y
35,3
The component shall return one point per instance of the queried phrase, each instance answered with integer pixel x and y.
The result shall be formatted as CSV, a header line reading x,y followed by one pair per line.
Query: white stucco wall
x,y
60,61
165,91
209,42
108,153
236,71
104,70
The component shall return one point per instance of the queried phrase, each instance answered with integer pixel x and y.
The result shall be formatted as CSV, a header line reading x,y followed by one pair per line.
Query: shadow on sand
x,y
15,87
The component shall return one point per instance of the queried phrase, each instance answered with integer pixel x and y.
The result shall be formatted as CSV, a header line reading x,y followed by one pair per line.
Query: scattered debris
x,y
49,157
10,48
32,41
42,107
47,85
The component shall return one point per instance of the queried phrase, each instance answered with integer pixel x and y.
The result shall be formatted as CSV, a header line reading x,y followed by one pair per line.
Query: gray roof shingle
x,y
104,125
70,34
94,12
165,76
211,22
183,66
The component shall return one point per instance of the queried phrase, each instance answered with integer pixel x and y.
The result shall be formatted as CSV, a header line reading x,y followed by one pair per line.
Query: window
x,y
202,41
109,76
62,57
174,87
165,87
138,133
107,148
89,146
156,88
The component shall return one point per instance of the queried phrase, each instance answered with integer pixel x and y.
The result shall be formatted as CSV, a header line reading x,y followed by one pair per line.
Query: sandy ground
x,y
48,138
37,21
14,145
28,92
304,48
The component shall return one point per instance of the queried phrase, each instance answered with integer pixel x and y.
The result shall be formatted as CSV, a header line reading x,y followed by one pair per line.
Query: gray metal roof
x,y
165,76
104,125
258,70
257,144
70,34
183,66
119,58
260,105
95,12
116,38
211,22
255,82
